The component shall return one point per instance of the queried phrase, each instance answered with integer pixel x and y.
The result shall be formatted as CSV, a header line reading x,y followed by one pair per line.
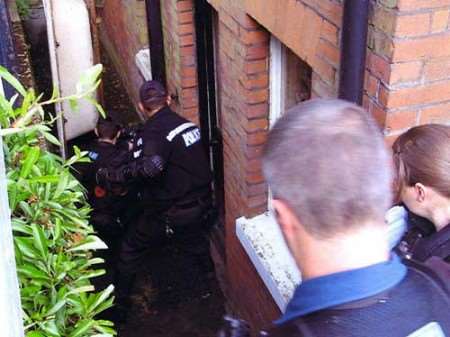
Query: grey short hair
x,y
327,159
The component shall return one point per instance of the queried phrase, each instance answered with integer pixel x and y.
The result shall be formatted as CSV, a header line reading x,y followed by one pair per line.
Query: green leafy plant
x,y
23,7
52,236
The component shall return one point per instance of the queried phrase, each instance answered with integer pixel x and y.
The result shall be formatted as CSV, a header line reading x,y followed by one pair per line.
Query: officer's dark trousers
x,y
151,232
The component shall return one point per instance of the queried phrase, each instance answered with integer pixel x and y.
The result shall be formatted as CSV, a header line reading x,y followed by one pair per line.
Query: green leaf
x,y
58,305
25,246
102,297
62,185
45,179
55,93
32,272
35,334
31,158
6,75
40,241
82,327
91,243
52,139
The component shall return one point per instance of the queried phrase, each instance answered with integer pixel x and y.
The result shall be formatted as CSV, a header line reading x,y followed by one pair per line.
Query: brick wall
x,y
243,87
407,83
180,51
409,78
123,32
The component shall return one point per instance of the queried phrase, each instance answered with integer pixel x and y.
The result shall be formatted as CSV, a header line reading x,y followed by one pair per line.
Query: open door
x,y
71,53
205,22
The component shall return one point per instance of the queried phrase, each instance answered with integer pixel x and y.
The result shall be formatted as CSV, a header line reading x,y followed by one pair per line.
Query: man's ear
x,y
420,191
286,217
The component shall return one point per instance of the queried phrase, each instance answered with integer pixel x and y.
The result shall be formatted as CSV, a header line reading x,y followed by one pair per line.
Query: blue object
x,y
344,287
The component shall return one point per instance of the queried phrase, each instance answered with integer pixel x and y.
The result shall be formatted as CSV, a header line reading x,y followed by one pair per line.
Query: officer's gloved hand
x,y
105,177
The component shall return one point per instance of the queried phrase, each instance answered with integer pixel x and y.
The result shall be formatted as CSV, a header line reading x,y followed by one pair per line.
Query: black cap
x,y
151,90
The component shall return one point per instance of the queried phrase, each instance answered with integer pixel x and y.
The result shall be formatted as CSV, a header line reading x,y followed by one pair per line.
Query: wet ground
x,y
161,303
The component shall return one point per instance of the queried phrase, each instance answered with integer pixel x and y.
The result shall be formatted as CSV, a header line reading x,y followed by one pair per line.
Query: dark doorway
x,y
205,25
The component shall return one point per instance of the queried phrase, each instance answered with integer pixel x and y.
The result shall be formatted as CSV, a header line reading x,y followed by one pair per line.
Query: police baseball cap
x,y
152,91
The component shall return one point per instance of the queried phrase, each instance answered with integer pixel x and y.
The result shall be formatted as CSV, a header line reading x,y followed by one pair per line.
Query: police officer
x,y
330,209
169,161
105,200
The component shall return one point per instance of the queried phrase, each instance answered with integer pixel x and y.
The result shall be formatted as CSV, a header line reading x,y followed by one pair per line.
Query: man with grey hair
x,y
329,171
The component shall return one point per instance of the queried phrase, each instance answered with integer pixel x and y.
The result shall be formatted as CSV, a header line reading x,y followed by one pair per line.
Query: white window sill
x,y
265,246
262,240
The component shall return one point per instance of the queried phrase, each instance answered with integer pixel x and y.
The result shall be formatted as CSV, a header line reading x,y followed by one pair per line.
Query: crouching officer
x,y
105,200
169,161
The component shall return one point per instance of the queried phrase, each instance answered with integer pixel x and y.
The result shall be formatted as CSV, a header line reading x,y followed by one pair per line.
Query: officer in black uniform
x,y
105,200
422,241
169,161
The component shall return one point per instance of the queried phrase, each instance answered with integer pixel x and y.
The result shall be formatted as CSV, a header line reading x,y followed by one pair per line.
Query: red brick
x,y
252,152
406,72
414,49
437,69
255,82
185,17
325,70
329,32
400,120
187,40
436,114
186,29
247,22
188,60
260,124
253,165
439,21
257,52
254,177
184,6
189,72
257,189
378,66
328,51
257,110
258,200
188,50
330,9
256,95
188,82
421,4
431,93
253,36
229,22
372,84
412,25
257,138
255,67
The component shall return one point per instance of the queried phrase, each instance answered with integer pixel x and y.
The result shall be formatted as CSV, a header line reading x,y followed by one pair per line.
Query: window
x,y
290,82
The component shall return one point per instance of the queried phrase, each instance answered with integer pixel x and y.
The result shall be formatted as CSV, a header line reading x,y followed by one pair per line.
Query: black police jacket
x,y
422,241
102,155
168,159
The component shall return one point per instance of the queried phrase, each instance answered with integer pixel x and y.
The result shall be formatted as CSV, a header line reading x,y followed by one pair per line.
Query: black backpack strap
x,y
436,269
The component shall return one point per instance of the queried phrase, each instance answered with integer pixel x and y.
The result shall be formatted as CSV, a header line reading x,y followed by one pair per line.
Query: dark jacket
x,y
422,241
418,302
168,160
